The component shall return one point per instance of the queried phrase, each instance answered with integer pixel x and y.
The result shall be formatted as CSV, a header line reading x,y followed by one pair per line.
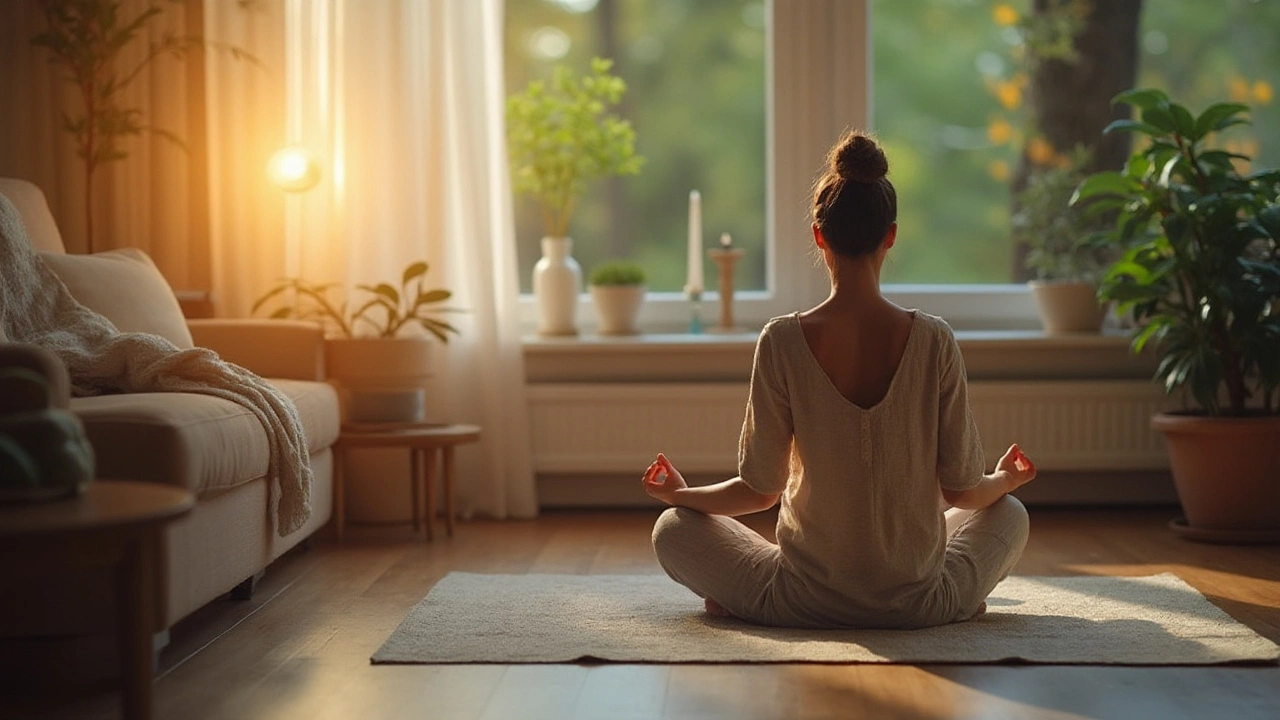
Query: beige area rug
x,y
1152,620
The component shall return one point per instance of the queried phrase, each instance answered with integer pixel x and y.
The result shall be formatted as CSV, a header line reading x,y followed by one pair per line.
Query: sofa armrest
x,y
290,349
33,357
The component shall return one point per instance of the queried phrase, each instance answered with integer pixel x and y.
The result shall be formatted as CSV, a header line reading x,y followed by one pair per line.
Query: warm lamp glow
x,y
293,169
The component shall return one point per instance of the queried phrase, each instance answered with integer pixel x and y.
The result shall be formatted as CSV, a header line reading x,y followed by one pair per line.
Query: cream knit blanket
x,y
37,308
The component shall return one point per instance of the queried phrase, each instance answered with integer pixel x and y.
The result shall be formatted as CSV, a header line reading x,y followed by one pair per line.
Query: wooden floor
x,y
301,647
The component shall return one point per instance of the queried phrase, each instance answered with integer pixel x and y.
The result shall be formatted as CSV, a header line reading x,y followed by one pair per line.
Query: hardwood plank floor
x,y
300,648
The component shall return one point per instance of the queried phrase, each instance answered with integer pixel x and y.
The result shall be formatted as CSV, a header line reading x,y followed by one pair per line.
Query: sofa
x,y
214,448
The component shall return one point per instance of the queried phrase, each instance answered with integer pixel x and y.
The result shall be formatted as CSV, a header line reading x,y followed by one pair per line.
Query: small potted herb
x,y
617,290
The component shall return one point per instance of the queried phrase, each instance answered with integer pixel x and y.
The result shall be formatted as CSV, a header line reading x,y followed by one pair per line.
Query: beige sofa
x,y
211,446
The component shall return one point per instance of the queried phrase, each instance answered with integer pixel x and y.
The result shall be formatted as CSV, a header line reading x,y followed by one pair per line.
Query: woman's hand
x,y
661,480
1017,467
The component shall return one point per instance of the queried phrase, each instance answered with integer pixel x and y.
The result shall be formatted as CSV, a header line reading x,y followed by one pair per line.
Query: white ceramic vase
x,y
557,283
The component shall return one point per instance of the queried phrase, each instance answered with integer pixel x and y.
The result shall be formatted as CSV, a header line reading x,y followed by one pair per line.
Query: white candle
x,y
693,283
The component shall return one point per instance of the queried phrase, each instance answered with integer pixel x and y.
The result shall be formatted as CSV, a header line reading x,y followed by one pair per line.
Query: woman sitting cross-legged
x,y
858,419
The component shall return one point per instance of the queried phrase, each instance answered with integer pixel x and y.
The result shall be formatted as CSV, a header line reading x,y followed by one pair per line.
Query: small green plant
x,y
561,135
618,272
1202,270
1065,241
384,313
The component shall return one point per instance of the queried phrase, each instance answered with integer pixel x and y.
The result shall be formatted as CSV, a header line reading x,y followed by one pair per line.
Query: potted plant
x,y
561,135
377,364
617,290
95,42
1201,276
1066,247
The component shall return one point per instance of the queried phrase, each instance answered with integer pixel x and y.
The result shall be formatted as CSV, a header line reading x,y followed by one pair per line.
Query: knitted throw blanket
x,y
37,308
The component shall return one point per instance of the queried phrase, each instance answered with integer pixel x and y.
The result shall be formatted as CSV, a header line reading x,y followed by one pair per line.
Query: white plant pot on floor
x,y
557,283
617,307
1067,306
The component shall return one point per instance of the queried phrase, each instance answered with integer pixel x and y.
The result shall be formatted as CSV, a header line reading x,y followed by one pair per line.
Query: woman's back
x,y
859,523
859,351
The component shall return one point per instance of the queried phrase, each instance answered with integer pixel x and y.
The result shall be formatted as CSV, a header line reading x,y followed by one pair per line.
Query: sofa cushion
x,y
126,287
42,230
200,442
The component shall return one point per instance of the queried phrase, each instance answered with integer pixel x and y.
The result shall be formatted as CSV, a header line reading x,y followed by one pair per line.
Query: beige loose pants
x,y
719,558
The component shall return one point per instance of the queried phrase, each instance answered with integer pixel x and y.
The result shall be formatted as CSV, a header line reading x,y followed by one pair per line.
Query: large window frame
x,y
823,50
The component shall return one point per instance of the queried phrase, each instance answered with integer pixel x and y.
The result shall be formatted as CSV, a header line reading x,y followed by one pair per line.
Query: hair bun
x,y
858,158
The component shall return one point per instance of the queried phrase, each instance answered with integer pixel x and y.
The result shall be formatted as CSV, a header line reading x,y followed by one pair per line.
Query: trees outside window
x,y
952,99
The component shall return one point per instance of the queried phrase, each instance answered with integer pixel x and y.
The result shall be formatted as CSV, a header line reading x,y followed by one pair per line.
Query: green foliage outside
x,y
385,311
618,272
948,106
1202,273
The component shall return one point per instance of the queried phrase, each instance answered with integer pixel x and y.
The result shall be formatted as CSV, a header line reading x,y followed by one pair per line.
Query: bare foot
x,y
982,609
715,609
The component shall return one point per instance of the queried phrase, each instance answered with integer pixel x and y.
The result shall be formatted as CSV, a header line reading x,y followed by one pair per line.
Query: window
x,y
695,74
933,109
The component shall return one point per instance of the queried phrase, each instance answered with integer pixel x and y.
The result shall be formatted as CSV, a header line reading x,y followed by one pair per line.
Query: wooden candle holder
x,y
725,259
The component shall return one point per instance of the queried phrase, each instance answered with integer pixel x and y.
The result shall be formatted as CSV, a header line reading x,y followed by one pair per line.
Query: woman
x,y
858,420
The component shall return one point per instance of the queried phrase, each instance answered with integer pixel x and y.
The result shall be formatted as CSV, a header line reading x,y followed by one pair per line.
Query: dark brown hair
x,y
853,202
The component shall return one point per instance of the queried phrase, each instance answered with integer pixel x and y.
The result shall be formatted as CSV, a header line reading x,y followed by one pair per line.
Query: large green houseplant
x,y
561,135
1201,276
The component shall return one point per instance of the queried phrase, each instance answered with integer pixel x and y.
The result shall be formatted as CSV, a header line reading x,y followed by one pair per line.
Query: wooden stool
x,y
424,443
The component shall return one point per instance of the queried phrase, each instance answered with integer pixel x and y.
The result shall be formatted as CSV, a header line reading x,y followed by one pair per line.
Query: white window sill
x,y
726,357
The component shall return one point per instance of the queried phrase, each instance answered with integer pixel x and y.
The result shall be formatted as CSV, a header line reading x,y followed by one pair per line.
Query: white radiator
x,y
1096,425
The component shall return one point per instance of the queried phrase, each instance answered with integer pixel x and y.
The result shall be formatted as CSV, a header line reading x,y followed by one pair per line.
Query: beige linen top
x,y
860,529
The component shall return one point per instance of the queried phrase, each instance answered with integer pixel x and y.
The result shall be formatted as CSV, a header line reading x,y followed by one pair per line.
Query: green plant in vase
x,y
1201,276
561,135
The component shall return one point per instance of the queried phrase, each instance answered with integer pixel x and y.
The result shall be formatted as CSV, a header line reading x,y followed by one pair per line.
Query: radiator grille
x,y
1063,425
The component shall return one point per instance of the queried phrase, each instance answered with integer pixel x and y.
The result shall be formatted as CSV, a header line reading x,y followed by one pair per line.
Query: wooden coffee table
x,y
113,523
424,442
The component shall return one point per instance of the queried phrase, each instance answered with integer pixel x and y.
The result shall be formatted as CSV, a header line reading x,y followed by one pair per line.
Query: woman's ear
x,y
817,237
890,237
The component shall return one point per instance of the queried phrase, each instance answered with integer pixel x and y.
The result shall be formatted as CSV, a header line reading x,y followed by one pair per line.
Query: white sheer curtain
x,y
403,102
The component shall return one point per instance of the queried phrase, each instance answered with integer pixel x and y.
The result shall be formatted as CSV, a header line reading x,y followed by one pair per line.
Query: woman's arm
x,y
1012,472
730,497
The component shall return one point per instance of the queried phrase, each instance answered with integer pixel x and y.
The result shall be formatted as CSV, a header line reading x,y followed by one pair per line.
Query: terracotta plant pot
x,y
1227,473
617,307
380,380
1067,306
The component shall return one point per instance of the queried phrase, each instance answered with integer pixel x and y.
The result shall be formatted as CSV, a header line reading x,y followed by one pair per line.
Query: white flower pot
x,y
557,283
1068,306
617,307
380,380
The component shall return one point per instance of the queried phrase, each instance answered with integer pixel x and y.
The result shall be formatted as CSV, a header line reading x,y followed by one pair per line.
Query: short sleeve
x,y
764,449
960,458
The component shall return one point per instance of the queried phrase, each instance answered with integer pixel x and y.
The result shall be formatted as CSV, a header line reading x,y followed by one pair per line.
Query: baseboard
x,y
1051,488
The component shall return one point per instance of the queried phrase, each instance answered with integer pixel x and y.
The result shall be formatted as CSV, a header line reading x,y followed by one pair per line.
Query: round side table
x,y
425,443
113,523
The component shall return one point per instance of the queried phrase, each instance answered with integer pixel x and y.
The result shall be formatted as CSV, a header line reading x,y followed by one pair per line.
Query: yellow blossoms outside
x,y
1005,15
1262,92
999,131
